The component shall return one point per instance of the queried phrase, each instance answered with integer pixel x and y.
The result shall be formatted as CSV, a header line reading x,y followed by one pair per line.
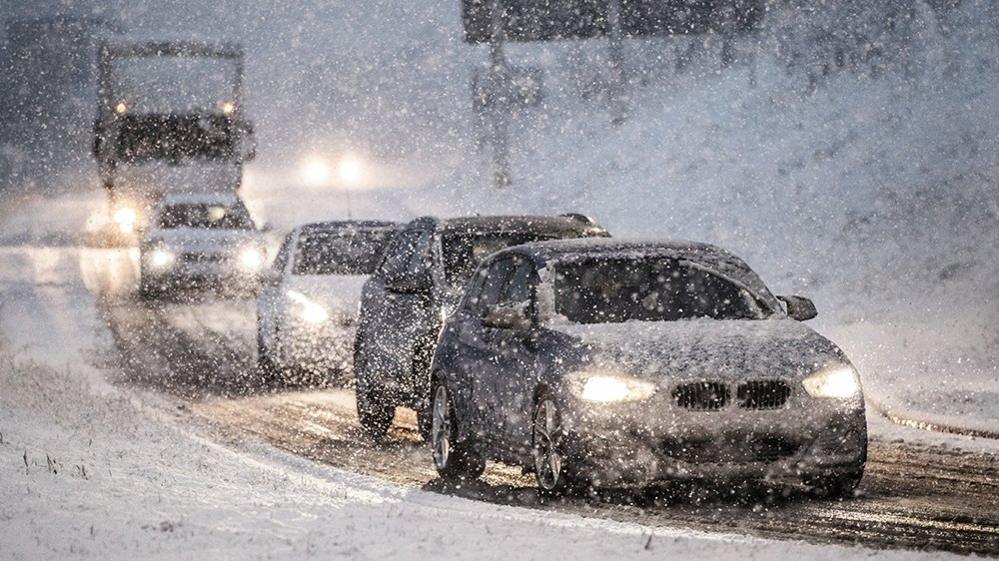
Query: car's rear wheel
x,y
455,460
552,468
838,486
373,410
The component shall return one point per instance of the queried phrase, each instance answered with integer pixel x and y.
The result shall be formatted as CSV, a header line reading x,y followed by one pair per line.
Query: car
x,y
308,299
403,305
603,363
200,240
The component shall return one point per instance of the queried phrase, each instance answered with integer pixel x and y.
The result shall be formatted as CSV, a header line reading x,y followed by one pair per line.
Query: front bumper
x,y
641,443
189,275
328,347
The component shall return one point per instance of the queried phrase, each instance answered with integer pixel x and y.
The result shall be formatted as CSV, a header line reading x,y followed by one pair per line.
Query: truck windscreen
x,y
174,84
174,137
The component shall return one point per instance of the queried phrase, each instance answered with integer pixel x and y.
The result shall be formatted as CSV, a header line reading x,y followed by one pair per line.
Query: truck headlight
x,y
611,388
251,258
125,217
835,382
307,309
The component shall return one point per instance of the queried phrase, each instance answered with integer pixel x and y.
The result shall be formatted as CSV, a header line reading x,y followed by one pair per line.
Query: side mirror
x,y
799,307
508,316
266,227
270,277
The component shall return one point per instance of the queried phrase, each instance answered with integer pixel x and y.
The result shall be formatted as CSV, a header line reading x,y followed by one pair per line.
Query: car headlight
x,y
835,382
307,309
611,388
161,258
251,258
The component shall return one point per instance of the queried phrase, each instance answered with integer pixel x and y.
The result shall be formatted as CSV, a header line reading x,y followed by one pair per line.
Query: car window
x,y
338,252
210,216
492,285
422,257
281,260
463,251
518,287
614,290
399,254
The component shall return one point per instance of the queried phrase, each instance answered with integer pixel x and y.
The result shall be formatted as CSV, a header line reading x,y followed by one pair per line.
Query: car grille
x,y
763,394
192,257
713,396
702,396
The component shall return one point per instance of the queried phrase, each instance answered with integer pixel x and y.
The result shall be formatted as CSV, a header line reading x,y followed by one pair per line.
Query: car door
x,y
270,293
391,307
475,342
512,365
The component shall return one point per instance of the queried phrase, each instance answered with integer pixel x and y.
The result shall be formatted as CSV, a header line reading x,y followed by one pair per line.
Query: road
x,y
200,352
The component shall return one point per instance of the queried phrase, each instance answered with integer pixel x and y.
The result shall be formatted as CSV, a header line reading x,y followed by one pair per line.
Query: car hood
x,y
336,292
704,349
200,239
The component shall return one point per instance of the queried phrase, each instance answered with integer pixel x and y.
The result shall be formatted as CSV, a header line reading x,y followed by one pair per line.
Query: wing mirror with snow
x,y
508,316
799,307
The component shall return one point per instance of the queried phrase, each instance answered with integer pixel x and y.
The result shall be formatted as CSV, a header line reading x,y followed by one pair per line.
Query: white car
x,y
196,240
307,302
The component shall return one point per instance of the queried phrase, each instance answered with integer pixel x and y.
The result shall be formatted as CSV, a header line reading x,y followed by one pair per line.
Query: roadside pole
x,y
618,93
498,106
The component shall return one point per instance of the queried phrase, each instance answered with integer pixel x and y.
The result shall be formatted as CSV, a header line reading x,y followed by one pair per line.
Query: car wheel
x,y
374,412
266,368
454,460
551,467
839,486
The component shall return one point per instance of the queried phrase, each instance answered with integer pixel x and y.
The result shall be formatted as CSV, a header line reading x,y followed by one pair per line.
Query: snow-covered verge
x,y
93,471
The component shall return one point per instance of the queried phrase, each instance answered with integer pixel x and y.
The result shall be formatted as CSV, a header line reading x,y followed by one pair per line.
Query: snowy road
x,y
201,354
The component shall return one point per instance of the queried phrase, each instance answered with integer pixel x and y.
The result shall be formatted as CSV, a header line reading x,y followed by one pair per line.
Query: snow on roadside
x,y
90,471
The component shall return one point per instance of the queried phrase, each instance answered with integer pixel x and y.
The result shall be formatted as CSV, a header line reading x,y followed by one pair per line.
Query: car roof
x,y
333,225
712,256
567,223
222,198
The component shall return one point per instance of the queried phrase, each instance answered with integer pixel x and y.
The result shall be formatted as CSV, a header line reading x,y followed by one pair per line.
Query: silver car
x,y
200,240
601,363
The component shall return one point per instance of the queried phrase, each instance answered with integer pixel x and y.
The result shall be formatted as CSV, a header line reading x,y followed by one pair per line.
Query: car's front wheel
x,y
552,468
455,460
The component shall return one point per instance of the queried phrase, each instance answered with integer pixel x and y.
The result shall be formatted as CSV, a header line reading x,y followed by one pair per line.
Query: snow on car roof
x,y
517,223
224,199
347,225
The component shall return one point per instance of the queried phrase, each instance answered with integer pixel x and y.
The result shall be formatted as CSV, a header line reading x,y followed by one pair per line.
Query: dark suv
x,y
418,283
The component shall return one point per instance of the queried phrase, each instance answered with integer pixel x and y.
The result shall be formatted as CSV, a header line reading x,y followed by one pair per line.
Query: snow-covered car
x,y
603,363
308,300
200,240
418,283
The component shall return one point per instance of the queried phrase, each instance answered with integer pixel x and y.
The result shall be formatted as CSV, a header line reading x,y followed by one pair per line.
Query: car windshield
x,y
464,251
615,290
211,216
339,252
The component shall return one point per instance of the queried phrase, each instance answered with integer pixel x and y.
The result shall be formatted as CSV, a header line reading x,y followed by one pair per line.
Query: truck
x,y
169,120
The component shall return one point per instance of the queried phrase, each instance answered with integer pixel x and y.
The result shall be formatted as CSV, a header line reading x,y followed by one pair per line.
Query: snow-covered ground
x,y
94,471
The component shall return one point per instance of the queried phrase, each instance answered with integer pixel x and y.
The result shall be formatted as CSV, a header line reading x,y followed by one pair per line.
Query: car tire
x,y
454,460
552,469
266,369
839,486
373,410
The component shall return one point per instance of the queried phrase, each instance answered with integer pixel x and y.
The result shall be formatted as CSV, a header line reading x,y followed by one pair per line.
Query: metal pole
x,y
618,95
498,84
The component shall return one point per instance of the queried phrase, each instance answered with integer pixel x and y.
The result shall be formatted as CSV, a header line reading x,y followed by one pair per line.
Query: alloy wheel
x,y
441,428
548,460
